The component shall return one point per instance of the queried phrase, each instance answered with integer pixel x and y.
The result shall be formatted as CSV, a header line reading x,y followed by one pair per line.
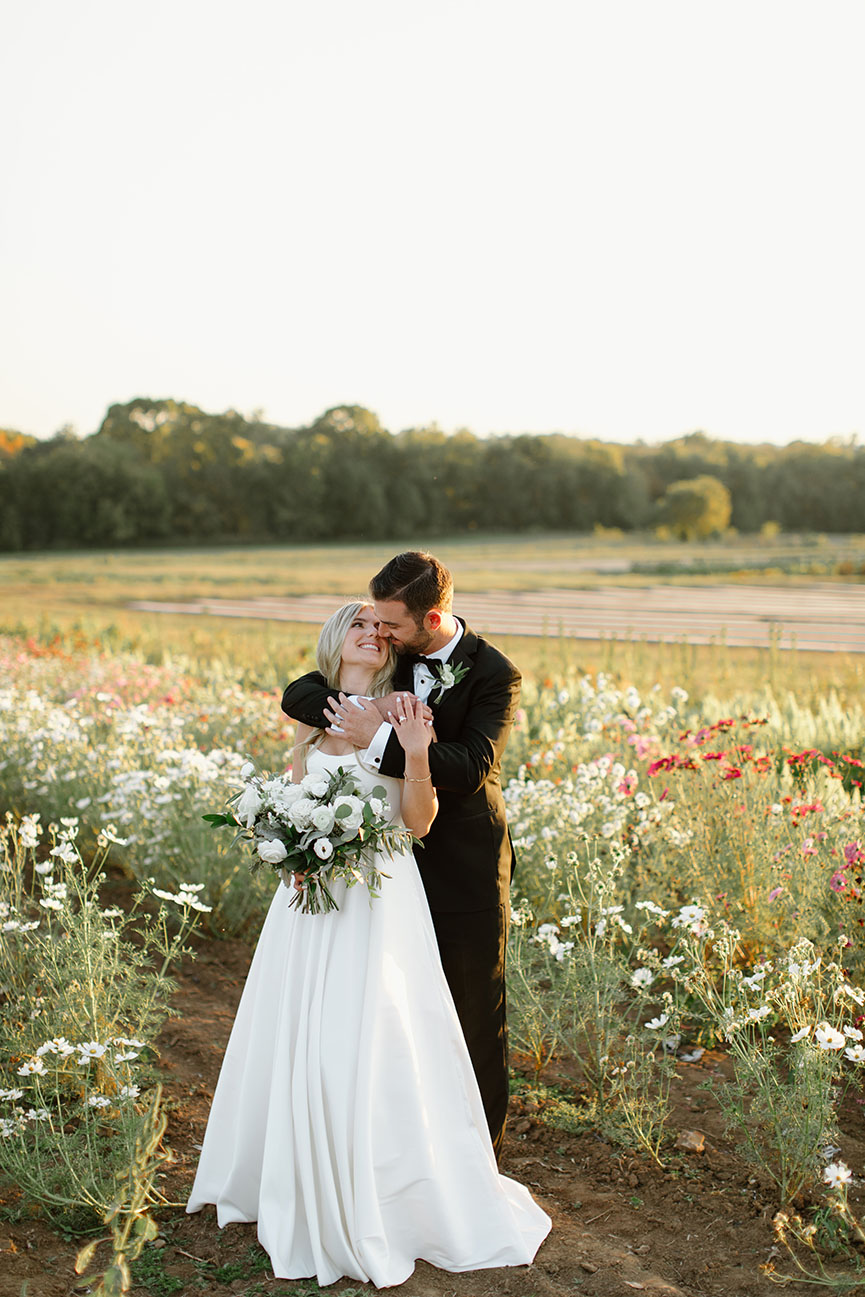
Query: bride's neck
x,y
354,679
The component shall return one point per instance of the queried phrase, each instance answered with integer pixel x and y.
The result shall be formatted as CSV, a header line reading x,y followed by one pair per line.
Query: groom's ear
x,y
433,619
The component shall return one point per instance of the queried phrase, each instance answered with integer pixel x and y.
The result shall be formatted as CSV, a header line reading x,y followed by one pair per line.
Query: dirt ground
x,y
697,1227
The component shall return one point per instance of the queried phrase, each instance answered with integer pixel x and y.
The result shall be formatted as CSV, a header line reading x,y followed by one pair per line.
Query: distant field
x,y
89,594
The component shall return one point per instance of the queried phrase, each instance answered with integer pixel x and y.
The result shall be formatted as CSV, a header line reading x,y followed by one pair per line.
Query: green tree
x,y
696,508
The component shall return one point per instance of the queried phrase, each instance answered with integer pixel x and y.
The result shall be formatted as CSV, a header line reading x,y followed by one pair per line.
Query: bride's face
x,y
363,646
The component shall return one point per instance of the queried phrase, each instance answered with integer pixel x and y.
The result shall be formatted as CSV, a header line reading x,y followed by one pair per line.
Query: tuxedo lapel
x,y
463,655
466,648
403,676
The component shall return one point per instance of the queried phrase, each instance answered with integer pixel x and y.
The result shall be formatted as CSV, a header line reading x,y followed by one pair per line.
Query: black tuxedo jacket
x,y
467,858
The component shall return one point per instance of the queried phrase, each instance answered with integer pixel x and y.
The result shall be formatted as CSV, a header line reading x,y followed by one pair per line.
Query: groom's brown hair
x,y
418,580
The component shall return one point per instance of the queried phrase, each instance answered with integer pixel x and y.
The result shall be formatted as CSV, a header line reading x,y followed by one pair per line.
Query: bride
x,y
347,1120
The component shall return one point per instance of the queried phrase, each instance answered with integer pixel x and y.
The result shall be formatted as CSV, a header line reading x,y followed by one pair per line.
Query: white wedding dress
x,y
347,1120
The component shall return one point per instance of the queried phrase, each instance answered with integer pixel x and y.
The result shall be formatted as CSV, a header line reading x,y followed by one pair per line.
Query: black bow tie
x,y
430,663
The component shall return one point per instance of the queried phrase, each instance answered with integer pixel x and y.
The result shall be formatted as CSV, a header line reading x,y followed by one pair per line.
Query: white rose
x,y
323,848
300,812
249,805
247,770
271,851
377,806
314,785
323,818
350,823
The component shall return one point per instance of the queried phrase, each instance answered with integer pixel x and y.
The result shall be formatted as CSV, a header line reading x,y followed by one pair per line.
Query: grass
x,y
84,598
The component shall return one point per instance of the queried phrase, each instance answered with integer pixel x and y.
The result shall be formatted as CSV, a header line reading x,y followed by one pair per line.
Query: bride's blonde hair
x,y
328,657
328,653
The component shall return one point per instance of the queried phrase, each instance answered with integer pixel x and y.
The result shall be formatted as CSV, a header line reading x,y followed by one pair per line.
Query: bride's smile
x,y
363,646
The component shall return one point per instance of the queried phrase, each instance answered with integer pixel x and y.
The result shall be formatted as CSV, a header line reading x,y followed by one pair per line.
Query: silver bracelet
x,y
409,780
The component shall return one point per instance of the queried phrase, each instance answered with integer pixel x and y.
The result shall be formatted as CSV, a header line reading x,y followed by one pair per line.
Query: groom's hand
x,y
355,720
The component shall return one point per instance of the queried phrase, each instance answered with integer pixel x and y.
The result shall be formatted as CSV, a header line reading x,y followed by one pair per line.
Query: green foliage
x,y
84,991
696,508
781,1101
160,470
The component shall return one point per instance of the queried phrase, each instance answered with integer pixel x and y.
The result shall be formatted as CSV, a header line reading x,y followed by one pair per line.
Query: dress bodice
x,y
367,780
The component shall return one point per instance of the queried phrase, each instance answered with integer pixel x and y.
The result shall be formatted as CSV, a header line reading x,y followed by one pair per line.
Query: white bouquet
x,y
320,829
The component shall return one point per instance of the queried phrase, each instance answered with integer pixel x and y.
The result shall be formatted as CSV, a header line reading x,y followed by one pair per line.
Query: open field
x,y
719,815
108,579
595,602
812,617
727,776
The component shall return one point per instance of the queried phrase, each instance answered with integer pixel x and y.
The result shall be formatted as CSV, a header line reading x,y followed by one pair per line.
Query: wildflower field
x,y
686,965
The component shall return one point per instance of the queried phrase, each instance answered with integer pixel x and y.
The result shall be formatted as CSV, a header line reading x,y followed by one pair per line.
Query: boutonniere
x,y
447,676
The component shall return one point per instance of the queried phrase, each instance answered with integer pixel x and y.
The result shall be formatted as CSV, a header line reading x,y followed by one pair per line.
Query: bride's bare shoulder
x,y
302,733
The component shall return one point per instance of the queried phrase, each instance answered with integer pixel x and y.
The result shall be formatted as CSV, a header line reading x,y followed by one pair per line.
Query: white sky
x,y
618,218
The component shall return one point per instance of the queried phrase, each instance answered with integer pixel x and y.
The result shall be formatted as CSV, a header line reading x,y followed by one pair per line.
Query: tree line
x,y
166,472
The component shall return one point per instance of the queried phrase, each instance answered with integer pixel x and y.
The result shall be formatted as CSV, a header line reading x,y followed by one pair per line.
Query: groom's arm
x,y
463,765
305,699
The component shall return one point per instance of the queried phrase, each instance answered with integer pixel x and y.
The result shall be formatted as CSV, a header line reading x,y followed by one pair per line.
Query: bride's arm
x,y
419,803
301,735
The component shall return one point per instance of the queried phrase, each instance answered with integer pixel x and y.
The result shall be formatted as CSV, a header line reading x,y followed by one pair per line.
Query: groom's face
x,y
396,624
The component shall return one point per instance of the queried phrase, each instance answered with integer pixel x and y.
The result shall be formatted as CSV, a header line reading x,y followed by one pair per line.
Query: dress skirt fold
x,y
347,1120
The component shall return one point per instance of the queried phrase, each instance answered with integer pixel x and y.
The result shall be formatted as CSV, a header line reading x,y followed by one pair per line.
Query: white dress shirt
x,y
424,683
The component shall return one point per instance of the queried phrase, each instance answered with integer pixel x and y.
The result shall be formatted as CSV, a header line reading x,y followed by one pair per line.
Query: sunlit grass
x,y
85,596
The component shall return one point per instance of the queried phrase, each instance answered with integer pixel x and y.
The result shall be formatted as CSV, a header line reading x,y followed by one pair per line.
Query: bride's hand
x,y
412,729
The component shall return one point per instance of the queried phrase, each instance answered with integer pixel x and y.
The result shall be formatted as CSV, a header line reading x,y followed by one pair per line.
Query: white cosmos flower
x,y
836,1174
852,1033
109,832
59,1045
655,1024
691,917
828,1038
800,1034
34,1068
11,1094
65,852
99,1101
323,848
130,1091
272,852
642,977
856,1054
91,1049
191,899
127,1057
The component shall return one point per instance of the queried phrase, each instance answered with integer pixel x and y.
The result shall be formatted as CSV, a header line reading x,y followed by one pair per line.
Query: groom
x,y
467,859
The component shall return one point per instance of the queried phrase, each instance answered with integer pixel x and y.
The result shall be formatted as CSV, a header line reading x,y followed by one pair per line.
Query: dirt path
x,y
811,617
699,1227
